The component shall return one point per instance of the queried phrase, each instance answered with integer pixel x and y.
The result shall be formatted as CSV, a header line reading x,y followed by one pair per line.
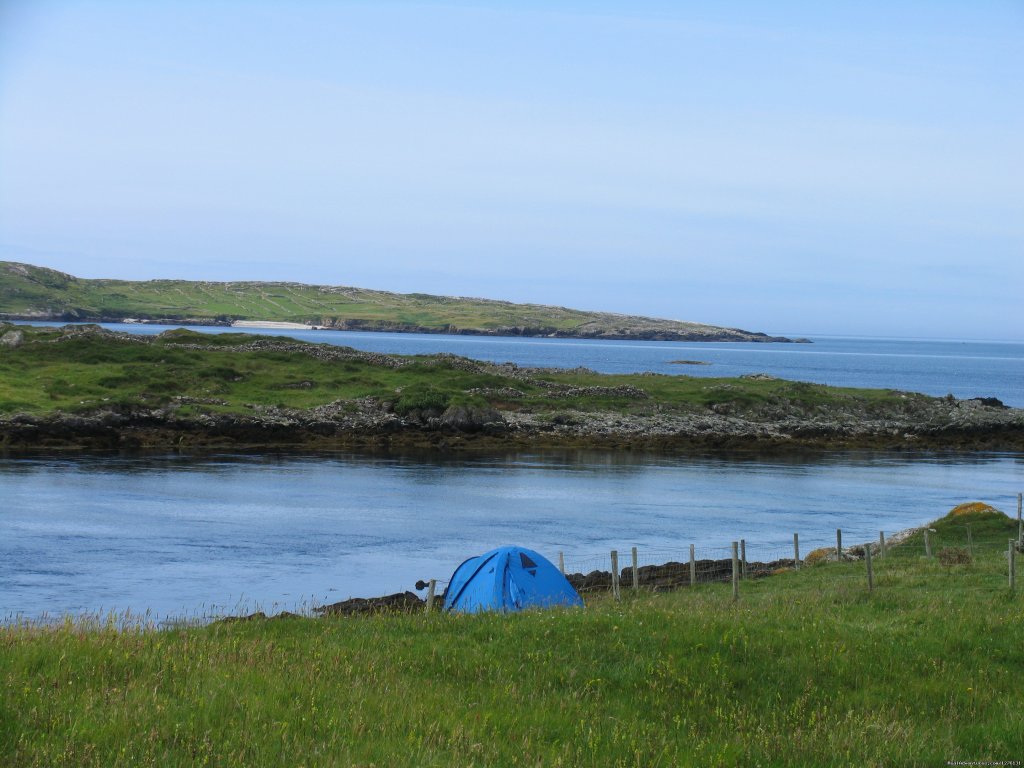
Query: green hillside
x,y
28,292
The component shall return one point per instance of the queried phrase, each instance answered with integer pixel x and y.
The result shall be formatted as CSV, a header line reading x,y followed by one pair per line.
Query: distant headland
x,y
29,292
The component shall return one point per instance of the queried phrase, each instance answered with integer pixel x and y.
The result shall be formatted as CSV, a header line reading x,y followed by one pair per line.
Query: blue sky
x,y
843,168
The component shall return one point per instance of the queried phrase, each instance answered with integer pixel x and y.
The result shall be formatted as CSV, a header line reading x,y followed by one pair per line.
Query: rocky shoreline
x,y
369,425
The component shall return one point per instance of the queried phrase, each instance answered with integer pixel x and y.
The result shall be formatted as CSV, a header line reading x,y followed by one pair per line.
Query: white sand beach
x,y
272,324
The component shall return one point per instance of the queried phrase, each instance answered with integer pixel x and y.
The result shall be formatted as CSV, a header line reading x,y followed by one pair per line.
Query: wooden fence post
x,y
735,571
743,558
1011,557
1020,523
839,545
693,567
970,542
615,574
881,543
796,550
431,588
867,562
927,544
561,562
636,573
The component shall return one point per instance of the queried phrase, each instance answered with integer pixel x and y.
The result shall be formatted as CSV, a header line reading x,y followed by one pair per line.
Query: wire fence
x,y
867,563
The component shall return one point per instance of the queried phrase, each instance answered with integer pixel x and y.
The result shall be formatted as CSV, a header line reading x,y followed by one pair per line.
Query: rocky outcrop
x,y
12,339
401,602
370,423
673,575
461,418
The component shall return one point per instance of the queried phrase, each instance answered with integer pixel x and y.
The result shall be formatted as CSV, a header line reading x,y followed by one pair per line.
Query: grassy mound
x,y
974,509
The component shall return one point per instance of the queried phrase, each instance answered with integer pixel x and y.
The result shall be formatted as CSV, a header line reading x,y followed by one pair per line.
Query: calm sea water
x,y
962,368
189,536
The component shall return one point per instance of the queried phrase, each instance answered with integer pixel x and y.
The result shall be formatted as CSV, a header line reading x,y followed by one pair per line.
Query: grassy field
x,y
807,668
26,290
51,371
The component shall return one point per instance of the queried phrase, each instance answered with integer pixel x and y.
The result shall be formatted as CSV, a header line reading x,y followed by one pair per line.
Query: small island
x,y
85,387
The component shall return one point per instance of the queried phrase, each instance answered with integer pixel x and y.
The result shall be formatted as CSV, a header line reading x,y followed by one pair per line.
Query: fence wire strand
x,y
957,548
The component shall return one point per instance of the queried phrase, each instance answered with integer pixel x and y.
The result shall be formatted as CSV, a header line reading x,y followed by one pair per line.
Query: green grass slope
x,y
27,291
807,668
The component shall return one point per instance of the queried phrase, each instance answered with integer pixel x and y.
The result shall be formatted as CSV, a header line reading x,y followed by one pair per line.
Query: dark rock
x,y
991,402
400,602
461,418
671,575
251,617
259,615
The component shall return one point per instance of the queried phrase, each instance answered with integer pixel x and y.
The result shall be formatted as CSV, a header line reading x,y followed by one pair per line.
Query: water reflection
x,y
571,460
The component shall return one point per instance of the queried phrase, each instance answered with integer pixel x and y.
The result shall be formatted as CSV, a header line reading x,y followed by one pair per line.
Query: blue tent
x,y
508,579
